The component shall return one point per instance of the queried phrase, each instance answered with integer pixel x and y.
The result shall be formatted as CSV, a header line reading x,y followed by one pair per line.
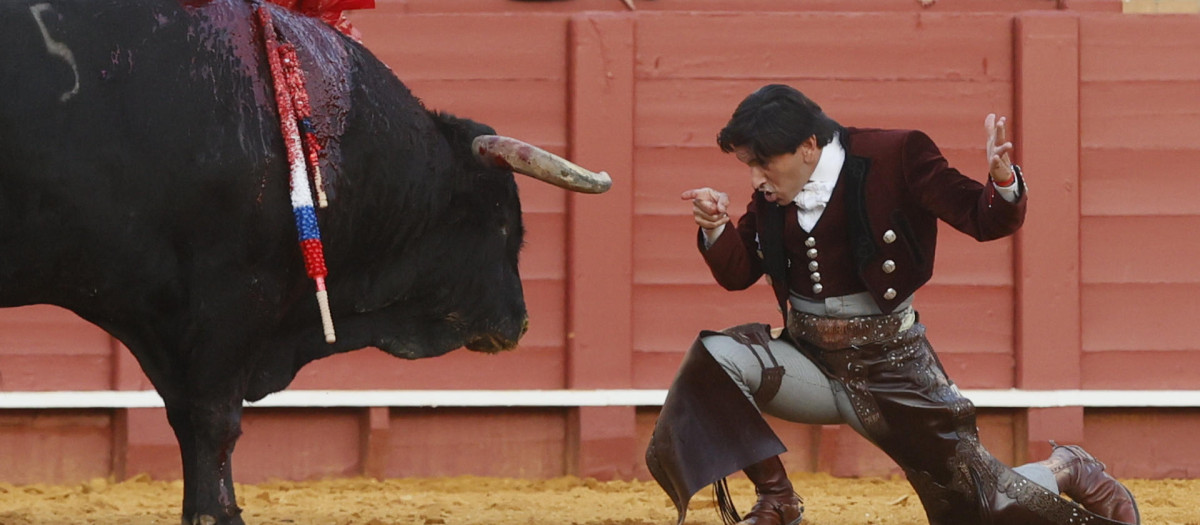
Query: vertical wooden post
x,y
602,440
141,437
1046,126
376,426
143,443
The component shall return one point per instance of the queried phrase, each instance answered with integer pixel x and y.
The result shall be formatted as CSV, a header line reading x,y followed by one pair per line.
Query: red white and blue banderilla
x,y
291,98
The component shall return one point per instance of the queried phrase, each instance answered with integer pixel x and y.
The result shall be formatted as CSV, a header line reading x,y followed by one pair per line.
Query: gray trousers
x,y
806,395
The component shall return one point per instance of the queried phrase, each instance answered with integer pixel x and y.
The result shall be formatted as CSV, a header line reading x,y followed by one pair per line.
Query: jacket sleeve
x,y
971,207
733,257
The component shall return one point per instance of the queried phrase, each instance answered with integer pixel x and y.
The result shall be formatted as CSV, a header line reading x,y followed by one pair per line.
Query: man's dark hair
x,y
775,120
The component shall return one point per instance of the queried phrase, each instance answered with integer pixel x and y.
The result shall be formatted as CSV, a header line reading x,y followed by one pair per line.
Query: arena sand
x,y
500,501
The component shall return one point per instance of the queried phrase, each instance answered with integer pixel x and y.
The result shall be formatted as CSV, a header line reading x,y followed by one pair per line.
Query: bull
x,y
144,187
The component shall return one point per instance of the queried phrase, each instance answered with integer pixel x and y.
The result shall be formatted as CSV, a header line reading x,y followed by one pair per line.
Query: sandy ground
x,y
498,501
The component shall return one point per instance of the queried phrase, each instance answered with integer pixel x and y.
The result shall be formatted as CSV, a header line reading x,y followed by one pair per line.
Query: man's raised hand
x,y
998,148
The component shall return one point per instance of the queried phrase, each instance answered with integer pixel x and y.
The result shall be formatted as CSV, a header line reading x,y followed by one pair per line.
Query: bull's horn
x,y
512,154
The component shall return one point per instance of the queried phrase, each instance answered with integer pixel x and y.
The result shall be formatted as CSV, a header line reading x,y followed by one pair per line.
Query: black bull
x,y
144,186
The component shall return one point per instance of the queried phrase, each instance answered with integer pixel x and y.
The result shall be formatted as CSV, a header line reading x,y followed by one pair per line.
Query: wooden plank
x,y
24,330
533,110
657,369
1156,253
1136,369
285,444
665,172
545,300
545,242
964,261
441,47
54,447
45,372
955,47
522,443
686,113
1140,317
978,370
668,317
968,319
1115,48
689,113
539,197
665,252
1124,181
1154,444
1140,114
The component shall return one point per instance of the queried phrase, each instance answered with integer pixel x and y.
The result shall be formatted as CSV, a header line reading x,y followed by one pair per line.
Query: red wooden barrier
x,y
1097,291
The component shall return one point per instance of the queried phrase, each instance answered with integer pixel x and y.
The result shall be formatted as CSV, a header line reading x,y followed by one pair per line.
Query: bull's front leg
x,y
179,415
206,439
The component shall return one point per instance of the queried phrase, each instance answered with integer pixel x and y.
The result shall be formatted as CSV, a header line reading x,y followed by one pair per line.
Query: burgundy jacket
x,y
879,231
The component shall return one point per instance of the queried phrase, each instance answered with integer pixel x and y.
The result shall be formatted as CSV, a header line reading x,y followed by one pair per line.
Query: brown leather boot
x,y
777,503
1082,477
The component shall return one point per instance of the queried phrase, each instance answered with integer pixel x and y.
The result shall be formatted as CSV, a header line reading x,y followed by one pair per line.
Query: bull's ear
x,y
460,131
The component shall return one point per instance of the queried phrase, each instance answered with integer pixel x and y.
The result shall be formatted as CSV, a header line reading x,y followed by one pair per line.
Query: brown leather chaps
x,y
707,430
907,405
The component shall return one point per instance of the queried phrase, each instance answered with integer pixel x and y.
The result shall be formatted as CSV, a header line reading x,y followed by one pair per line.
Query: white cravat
x,y
811,200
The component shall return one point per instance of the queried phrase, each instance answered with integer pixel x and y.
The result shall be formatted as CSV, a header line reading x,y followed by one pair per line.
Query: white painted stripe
x,y
570,398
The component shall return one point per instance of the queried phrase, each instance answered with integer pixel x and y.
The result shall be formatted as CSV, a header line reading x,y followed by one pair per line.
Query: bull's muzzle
x,y
492,343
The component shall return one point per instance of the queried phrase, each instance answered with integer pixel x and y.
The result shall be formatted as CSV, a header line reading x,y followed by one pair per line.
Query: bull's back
x,y
93,80
119,120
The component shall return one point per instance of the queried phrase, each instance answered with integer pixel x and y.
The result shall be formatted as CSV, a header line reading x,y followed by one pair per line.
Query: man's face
x,y
780,178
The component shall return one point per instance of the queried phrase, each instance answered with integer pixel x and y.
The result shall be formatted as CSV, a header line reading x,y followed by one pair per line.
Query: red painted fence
x,y
1098,291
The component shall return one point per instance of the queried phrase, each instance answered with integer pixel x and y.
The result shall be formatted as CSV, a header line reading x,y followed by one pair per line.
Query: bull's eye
x,y
504,231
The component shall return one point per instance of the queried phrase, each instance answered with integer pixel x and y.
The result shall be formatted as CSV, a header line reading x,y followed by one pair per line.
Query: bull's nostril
x,y
525,326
